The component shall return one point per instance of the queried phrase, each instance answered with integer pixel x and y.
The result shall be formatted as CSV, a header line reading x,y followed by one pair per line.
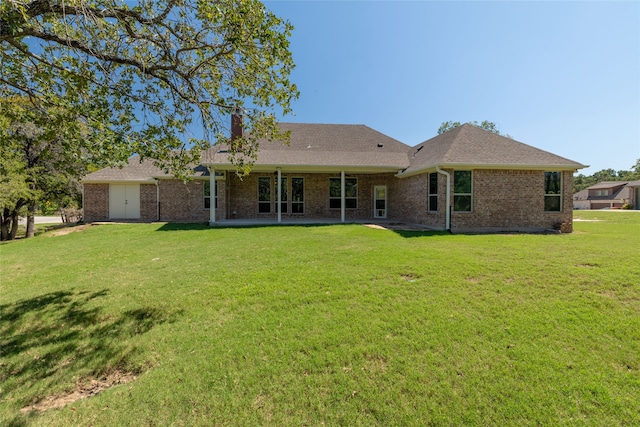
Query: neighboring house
x,y
581,200
467,179
608,195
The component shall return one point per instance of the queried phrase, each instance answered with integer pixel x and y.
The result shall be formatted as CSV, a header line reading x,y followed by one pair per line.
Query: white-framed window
x,y
462,191
552,191
297,195
264,194
432,193
207,194
350,193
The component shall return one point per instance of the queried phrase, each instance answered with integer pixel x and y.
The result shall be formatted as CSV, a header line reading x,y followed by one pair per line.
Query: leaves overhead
x,y
159,78
486,125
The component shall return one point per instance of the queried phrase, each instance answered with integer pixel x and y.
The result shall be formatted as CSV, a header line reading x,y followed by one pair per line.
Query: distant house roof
x,y
324,146
471,146
608,184
634,183
581,195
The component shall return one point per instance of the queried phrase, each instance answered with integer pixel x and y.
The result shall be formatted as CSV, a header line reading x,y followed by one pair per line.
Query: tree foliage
x,y
142,78
38,163
485,124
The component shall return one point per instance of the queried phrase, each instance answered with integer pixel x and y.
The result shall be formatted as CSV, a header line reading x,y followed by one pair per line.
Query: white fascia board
x,y
262,168
119,181
467,166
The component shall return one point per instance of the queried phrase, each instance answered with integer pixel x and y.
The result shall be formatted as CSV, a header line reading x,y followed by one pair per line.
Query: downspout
x,y
212,195
83,213
279,192
447,198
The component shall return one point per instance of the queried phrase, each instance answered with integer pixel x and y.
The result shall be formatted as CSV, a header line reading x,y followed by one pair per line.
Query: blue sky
x,y
561,76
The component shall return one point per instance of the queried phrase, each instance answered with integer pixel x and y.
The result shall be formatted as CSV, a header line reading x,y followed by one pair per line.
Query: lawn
x,y
321,325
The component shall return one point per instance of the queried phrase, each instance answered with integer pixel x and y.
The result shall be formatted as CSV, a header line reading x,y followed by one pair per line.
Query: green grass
x,y
324,325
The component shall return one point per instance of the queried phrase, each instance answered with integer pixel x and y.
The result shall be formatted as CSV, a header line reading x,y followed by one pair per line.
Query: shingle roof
x,y
325,145
136,170
468,145
581,195
608,184
359,148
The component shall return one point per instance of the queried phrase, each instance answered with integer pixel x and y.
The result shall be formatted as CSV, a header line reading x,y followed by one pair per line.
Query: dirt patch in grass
x,y
397,226
87,389
67,230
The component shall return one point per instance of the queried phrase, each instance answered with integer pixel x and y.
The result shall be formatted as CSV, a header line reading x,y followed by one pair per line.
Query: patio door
x,y
380,201
124,201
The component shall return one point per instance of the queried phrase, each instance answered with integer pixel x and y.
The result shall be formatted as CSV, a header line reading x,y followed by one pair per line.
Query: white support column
x,y
343,208
279,192
212,195
447,211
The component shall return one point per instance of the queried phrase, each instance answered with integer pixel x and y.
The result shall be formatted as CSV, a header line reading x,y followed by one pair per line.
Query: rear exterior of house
x,y
352,173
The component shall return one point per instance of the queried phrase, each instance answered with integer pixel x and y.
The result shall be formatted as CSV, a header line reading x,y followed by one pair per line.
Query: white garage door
x,y
124,201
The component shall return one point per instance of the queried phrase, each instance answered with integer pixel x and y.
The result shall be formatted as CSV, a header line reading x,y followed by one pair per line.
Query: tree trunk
x,y
14,225
4,224
31,223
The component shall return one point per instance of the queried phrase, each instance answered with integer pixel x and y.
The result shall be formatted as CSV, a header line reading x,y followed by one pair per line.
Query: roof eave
x,y
301,168
459,166
119,181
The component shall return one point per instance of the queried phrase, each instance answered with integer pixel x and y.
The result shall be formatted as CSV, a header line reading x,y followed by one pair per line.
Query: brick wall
x,y
96,202
148,202
502,200
409,201
185,202
243,196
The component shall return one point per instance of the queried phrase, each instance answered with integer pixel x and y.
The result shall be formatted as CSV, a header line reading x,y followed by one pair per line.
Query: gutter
x,y
448,198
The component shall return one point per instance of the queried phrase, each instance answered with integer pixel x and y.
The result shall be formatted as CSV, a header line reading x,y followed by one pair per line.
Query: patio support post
x,y
279,192
212,195
447,211
343,208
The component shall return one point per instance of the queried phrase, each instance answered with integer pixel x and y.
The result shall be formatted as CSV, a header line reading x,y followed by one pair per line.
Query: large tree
x,y
41,160
159,78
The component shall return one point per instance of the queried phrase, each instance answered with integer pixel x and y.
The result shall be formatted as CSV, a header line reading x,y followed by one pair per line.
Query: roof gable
x,y
468,145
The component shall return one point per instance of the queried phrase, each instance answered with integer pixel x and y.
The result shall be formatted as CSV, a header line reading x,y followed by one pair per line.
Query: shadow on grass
x,y
409,233
225,226
61,337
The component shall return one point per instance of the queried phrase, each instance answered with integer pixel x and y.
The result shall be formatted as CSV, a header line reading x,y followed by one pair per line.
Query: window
x,y
350,193
264,194
602,192
462,196
283,194
552,191
297,195
207,194
433,192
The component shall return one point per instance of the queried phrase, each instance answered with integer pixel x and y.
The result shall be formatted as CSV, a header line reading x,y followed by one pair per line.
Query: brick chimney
x,y
236,124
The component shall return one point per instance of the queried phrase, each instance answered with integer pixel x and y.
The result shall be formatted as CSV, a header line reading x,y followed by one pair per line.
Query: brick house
x,y
608,195
464,180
